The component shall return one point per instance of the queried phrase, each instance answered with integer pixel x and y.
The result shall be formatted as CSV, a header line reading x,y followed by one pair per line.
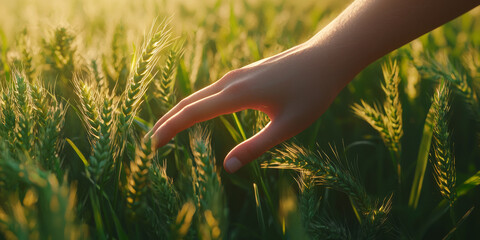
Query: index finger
x,y
204,109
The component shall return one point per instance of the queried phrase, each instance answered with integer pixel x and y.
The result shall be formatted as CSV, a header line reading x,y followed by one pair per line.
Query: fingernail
x,y
233,164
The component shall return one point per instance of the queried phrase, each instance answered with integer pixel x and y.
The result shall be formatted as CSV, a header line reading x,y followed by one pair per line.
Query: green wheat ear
x,y
49,115
309,198
102,158
8,118
442,159
388,122
392,105
209,189
165,85
24,112
116,66
471,59
26,58
332,173
139,182
183,221
164,201
47,210
140,77
60,56
444,70
375,118
99,78
89,106
316,226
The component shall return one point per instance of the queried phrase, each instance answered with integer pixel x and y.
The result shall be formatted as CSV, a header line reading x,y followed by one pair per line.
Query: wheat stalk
x,y
388,124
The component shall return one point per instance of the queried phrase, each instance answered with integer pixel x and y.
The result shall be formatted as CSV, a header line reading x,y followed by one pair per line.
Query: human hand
x,y
296,86
293,88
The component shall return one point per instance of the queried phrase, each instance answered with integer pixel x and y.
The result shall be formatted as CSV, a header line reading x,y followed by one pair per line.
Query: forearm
x,y
369,29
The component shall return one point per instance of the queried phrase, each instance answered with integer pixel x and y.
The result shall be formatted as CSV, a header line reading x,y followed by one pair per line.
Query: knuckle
x,y
235,89
182,103
233,74
230,76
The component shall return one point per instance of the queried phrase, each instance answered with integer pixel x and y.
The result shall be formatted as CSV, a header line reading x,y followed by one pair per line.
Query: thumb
x,y
274,133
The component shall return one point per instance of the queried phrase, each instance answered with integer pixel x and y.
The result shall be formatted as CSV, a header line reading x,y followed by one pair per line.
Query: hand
x,y
293,88
296,86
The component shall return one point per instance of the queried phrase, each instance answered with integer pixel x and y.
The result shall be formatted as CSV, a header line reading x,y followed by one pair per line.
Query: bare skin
x,y
295,87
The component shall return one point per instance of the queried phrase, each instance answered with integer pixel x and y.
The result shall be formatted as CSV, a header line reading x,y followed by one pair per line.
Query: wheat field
x,y
396,156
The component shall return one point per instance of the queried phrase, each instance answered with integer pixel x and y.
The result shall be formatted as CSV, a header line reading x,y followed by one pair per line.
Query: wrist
x,y
337,61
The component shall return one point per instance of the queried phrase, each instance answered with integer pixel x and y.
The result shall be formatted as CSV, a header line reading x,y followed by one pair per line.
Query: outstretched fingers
x,y
210,90
207,91
199,111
